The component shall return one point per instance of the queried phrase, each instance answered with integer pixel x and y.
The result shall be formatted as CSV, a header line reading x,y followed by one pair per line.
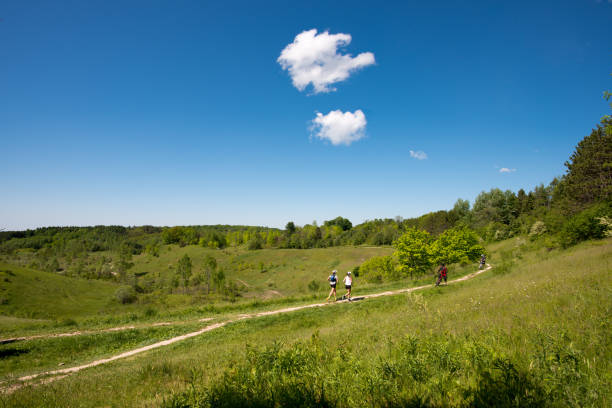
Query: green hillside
x,y
533,331
31,300
264,273
28,296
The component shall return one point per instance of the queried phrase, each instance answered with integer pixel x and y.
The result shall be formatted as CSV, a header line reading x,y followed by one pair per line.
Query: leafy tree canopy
x,y
412,251
343,223
458,244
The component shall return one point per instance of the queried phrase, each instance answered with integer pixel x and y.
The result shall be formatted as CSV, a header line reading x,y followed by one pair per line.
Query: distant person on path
x,y
348,283
483,261
332,279
441,274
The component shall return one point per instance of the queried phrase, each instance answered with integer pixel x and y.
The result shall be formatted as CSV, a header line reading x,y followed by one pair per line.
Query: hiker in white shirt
x,y
348,283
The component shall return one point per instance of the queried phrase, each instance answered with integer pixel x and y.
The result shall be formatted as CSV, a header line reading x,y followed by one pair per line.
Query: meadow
x,y
265,273
31,300
533,331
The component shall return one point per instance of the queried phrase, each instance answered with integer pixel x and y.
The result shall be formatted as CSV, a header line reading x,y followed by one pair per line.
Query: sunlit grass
x,y
543,304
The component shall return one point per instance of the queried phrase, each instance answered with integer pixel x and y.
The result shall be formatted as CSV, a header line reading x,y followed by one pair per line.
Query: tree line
x,y
571,208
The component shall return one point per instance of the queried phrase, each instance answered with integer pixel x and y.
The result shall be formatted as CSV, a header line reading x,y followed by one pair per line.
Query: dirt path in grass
x,y
61,373
112,329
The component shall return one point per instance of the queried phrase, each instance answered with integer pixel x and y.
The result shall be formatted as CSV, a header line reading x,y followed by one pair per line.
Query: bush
x,y
379,268
255,243
150,312
313,286
585,225
67,322
495,231
607,223
538,228
125,295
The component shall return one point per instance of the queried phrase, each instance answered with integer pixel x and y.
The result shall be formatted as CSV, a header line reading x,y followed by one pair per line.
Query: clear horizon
x,y
133,113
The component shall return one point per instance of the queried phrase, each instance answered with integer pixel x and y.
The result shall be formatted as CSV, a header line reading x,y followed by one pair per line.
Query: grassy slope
x,y
32,301
559,299
32,294
286,272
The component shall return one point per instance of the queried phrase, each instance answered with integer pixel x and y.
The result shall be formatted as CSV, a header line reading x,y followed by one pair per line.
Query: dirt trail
x,y
112,329
61,373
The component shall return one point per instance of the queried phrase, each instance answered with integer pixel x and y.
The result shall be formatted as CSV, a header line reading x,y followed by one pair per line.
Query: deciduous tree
x,y
184,269
412,251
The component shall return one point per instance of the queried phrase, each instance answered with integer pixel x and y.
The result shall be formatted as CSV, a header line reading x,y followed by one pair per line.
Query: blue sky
x,y
178,113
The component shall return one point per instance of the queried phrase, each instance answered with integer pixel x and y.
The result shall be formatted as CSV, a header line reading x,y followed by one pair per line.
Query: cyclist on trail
x,y
332,279
348,283
441,274
483,261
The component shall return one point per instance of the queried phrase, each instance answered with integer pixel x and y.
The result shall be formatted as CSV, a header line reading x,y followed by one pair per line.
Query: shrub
x,y
495,231
150,312
125,294
585,225
607,223
379,268
538,228
67,322
255,243
313,286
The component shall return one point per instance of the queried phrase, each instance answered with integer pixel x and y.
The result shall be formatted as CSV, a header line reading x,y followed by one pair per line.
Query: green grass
x,y
35,302
43,354
32,296
265,273
537,328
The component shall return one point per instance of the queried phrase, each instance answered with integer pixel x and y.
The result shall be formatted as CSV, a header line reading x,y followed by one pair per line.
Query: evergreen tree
x,y
589,169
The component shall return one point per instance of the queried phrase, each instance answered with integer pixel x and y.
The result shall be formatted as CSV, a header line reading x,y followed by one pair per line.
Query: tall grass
x,y
435,371
537,334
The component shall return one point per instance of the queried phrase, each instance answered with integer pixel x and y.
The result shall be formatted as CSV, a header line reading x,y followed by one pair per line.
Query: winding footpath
x,y
54,375
112,329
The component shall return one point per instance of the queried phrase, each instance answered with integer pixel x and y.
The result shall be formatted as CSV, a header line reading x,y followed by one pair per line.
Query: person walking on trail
x,y
483,261
441,274
348,283
332,279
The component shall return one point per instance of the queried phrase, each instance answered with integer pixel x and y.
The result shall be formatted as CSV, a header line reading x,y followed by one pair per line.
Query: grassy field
x,y
535,329
31,300
23,290
266,273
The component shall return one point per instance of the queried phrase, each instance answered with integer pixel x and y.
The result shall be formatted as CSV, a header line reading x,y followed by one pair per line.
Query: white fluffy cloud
x,y
419,154
506,170
314,59
340,127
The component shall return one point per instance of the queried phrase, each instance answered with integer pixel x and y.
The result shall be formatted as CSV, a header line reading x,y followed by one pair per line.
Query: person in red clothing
x,y
441,274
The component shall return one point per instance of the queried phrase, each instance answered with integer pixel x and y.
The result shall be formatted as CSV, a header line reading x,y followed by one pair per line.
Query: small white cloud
x,y
506,170
314,59
340,127
419,154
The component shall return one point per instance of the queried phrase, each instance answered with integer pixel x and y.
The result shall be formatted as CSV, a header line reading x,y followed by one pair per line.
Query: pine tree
x,y
589,168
